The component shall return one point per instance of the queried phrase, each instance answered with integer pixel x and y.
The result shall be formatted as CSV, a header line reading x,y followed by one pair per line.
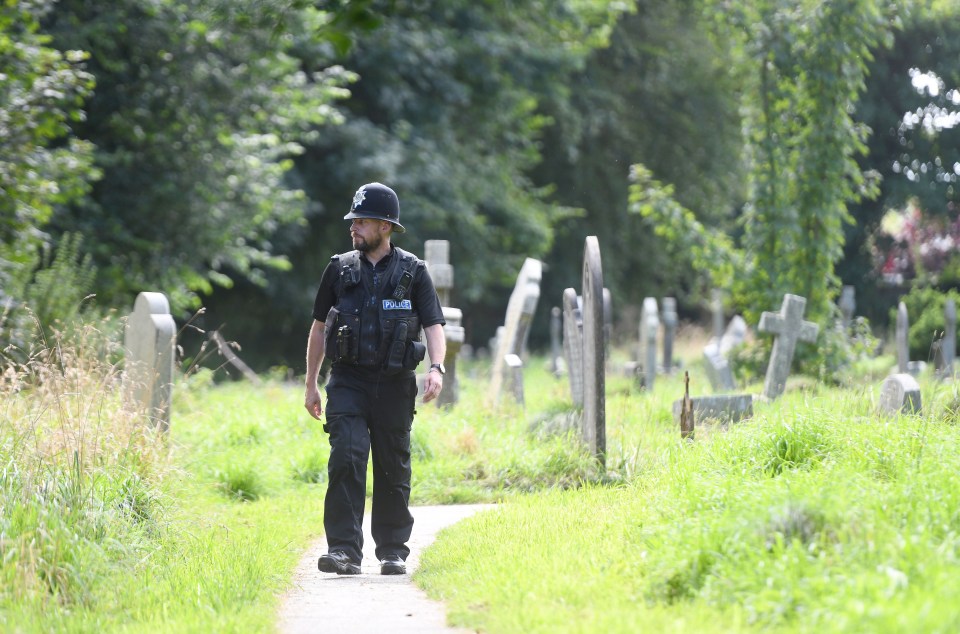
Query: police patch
x,y
392,304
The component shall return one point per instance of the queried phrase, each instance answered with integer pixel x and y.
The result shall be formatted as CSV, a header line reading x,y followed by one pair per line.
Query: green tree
x,y
41,164
804,65
447,111
198,111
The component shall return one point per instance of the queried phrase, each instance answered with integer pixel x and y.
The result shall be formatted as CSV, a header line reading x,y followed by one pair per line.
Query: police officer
x,y
368,312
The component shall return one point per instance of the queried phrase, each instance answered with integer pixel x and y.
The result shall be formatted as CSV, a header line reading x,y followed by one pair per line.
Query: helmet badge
x,y
358,197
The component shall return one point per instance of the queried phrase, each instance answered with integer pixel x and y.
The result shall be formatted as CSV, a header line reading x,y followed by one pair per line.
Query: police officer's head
x,y
378,202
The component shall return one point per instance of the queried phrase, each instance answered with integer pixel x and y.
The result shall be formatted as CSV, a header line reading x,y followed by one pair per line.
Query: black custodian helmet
x,y
377,201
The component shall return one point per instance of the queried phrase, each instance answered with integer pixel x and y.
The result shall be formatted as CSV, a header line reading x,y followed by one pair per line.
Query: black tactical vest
x,y
374,316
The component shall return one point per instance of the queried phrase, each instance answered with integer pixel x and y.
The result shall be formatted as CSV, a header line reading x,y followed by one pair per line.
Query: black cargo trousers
x,y
368,411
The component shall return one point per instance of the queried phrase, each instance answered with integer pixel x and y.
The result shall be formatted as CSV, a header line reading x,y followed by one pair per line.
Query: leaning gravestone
x,y
789,328
719,372
149,339
900,393
903,344
649,326
520,309
594,354
669,332
734,335
573,343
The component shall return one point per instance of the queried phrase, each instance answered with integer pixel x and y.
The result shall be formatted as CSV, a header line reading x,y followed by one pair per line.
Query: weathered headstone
x,y
515,369
649,327
848,305
669,332
721,407
900,393
607,321
149,339
436,253
556,341
903,343
719,372
716,308
789,328
520,310
734,335
948,345
594,353
573,343
455,335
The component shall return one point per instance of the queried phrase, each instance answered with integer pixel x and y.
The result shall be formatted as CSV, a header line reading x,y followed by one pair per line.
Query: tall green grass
x,y
816,515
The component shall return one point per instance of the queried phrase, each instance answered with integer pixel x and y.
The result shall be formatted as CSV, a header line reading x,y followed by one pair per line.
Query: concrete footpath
x,y
370,602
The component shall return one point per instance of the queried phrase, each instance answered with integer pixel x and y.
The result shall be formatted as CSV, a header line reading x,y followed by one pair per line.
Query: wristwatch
x,y
438,367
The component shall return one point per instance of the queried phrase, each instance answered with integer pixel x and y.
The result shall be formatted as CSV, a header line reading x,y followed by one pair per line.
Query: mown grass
x,y
816,515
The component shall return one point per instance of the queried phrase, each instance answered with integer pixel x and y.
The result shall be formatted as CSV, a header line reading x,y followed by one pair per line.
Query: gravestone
x,y
721,407
948,345
516,325
556,341
515,369
716,307
607,321
455,335
436,253
719,372
734,335
649,325
149,339
903,343
573,343
789,328
594,353
848,305
900,393
669,332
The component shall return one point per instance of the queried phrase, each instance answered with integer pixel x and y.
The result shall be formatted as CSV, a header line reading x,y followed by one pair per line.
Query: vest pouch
x,y
397,350
414,355
343,338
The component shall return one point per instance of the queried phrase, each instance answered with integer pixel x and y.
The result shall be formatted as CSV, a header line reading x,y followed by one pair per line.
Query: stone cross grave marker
x,y
516,325
900,393
594,353
649,326
903,344
848,305
789,328
436,253
669,332
149,339
455,335
437,257
948,346
573,343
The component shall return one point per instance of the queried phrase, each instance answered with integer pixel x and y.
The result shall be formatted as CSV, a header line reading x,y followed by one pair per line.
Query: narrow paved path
x,y
370,602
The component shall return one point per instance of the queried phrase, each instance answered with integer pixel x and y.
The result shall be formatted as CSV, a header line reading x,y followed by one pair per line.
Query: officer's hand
x,y
312,403
432,386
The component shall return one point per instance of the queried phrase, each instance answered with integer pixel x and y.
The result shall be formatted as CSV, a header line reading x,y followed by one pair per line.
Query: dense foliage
x,y
228,138
41,164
